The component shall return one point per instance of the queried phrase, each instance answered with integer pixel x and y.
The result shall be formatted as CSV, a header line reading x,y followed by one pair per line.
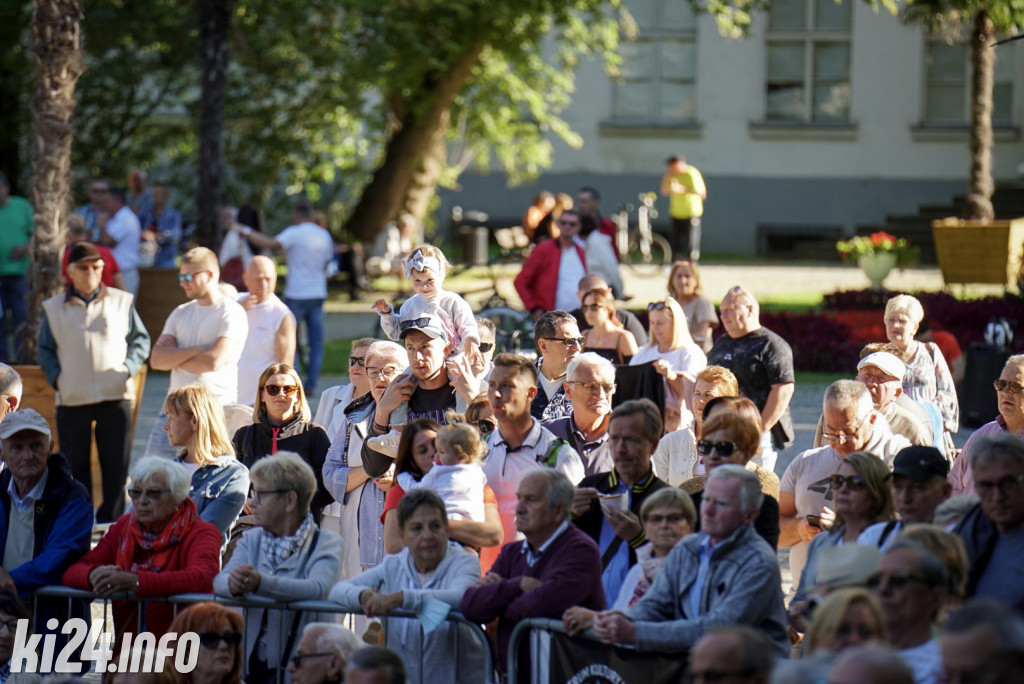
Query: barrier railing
x,y
554,656
303,606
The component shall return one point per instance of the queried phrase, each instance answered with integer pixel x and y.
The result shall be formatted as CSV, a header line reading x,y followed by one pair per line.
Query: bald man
x,y
271,336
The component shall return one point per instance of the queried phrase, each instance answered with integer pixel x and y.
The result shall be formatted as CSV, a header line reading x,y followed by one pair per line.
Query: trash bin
x,y
475,235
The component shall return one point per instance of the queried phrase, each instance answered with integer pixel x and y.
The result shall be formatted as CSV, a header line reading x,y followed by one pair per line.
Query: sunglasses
x,y
286,390
854,482
486,347
297,659
895,580
213,639
189,277
150,494
704,448
1008,386
357,361
421,322
568,341
485,426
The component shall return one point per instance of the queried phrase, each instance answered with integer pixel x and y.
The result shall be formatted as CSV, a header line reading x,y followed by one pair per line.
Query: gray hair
x,y
334,637
842,394
175,475
286,470
364,342
10,382
1002,446
1005,626
601,366
751,496
905,304
560,489
389,350
1017,361
652,416
378,658
486,323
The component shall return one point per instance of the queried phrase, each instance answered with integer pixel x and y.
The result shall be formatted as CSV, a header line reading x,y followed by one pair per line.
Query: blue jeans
x,y
311,313
14,298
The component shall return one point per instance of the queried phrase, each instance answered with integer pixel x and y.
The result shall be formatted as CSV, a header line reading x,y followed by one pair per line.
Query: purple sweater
x,y
570,570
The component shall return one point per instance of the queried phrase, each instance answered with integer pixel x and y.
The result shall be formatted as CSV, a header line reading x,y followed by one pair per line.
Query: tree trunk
x,y
407,152
57,48
425,177
983,64
214,22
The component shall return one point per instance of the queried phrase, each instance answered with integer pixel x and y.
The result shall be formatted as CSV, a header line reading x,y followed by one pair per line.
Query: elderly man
x,y
763,365
725,574
607,506
375,665
16,226
77,233
805,493
589,386
1010,393
983,642
592,282
911,586
201,341
548,279
559,341
91,342
520,443
993,530
738,654
322,652
121,232
918,487
555,567
271,337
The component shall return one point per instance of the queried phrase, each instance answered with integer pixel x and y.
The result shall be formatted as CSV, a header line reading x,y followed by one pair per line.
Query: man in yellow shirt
x,y
684,187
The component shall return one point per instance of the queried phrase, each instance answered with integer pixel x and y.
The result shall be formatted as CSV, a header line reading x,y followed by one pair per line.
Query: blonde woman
x,y
685,286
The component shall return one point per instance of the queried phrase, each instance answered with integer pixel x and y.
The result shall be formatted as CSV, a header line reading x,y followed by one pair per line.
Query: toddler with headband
x,y
426,268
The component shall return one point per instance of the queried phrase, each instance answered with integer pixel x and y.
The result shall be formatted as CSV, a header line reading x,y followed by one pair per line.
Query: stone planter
x,y
877,266
976,252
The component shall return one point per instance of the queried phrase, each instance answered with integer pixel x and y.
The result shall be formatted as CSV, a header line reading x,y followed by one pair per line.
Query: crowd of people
x,y
623,482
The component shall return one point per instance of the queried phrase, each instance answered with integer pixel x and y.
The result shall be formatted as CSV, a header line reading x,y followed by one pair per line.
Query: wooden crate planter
x,y
159,294
979,252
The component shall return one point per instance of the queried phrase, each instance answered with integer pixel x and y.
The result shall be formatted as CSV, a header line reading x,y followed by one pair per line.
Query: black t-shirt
x,y
432,403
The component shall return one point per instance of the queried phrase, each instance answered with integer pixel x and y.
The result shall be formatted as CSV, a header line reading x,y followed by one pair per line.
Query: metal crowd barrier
x,y
62,592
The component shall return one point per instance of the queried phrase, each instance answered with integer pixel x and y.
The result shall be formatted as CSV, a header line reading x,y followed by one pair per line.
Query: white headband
x,y
420,262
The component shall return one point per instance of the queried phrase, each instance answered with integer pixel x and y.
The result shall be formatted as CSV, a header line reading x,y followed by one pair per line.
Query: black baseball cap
x,y
920,463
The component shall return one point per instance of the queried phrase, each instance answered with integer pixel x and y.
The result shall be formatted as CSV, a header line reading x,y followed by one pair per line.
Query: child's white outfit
x,y
452,309
460,486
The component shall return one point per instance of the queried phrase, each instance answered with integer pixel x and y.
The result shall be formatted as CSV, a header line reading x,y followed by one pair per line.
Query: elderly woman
x,y
161,548
667,516
195,423
675,459
605,335
684,285
285,558
928,380
281,423
220,639
428,577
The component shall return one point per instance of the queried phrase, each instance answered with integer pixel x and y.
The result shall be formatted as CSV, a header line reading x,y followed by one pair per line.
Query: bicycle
x,y
642,250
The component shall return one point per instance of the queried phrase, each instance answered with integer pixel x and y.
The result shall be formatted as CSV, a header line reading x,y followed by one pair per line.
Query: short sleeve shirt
x,y
191,324
308,249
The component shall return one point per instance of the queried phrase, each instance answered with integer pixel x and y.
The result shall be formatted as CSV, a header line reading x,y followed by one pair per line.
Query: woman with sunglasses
x,y
220,635
219,485
861,497
684,285
285,557
673,354
733,437
281,422
606,337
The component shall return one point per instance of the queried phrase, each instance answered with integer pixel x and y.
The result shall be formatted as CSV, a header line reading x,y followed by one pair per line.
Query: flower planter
x,y
979,252
877,266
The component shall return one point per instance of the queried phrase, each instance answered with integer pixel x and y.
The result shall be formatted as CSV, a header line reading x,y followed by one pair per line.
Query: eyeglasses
x,y
373,372
895,580
189,277
704,447
257,495
297,658
357,361
658,519
568,341
11,625
1006,485
1008,386
486,347
591,307
846,436
213,639
855,482
150,494
485,426
286,390
594,387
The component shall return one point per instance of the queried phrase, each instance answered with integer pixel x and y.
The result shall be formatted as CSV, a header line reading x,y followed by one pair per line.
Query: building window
x,y
808,46
948,84
659,68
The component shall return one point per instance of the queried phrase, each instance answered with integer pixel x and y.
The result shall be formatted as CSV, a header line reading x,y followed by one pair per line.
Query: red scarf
x,y
159,546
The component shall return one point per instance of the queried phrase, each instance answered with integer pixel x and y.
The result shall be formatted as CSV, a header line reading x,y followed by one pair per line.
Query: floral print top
x,y
928,380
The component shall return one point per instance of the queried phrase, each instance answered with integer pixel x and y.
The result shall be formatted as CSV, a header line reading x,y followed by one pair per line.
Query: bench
x,y
799,240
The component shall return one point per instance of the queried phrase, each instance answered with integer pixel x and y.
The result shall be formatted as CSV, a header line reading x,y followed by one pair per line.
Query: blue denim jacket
x,y
219,490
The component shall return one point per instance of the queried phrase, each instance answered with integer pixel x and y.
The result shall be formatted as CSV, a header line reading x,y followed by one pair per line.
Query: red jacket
x,y
194,563
538,279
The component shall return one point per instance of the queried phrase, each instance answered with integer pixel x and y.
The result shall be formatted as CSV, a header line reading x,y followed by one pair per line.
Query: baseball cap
x,y
84,251
884,361
428,324
920,463
849,565
24,419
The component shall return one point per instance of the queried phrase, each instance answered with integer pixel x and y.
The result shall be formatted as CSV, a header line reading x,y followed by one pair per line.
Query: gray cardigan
x,y
304,576
743,586
451,653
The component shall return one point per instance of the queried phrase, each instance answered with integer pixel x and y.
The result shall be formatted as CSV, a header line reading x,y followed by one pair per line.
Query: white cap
x,y
887,362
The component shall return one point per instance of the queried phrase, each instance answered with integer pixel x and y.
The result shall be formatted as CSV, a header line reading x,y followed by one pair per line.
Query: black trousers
x,y
686,238
113,444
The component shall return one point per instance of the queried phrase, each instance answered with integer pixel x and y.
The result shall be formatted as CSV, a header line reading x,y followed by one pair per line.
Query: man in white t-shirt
x,y
122,234
202,339
308,249
271,337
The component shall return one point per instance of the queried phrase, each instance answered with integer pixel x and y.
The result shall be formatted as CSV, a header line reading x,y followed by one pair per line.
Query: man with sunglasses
x,y
993,530
271,337
322,652
201,341
592,282
548,279
589,386
559,341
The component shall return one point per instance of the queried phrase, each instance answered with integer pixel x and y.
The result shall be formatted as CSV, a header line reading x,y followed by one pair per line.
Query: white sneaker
x,y
386,444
